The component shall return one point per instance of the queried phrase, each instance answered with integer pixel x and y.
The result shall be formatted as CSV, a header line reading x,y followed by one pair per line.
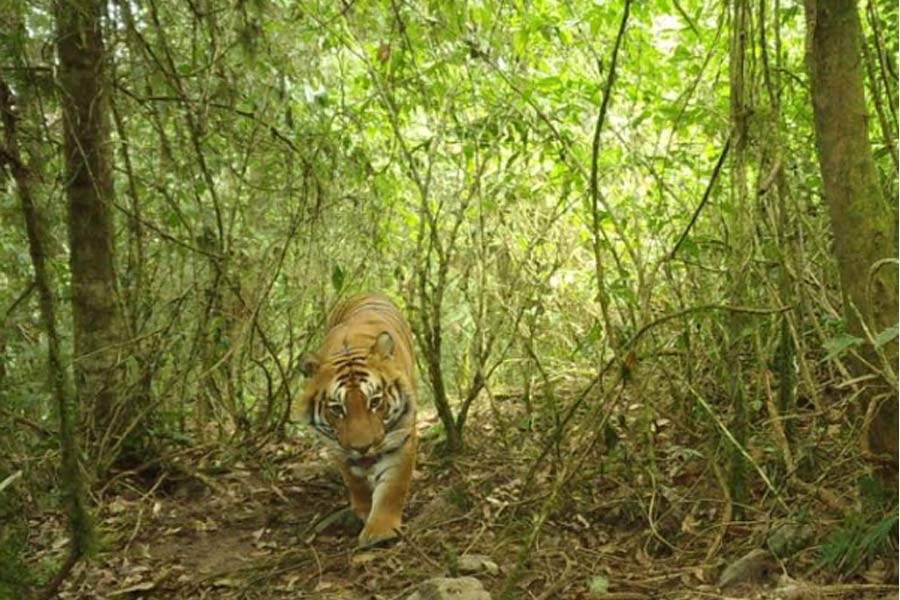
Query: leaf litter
x,y
277,526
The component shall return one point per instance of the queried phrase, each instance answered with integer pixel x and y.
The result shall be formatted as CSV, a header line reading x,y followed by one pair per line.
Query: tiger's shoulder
x,y
371,313
368,301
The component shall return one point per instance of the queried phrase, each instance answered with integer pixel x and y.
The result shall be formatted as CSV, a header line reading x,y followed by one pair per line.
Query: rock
x,y
790,589
754,567
450,588
469,564
788,538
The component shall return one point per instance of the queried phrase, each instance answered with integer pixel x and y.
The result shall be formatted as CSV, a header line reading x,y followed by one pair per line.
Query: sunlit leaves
x,y
888,335
840,344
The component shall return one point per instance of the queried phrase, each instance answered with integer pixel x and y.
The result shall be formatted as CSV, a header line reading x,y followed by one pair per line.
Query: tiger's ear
x,y
384,345
309,364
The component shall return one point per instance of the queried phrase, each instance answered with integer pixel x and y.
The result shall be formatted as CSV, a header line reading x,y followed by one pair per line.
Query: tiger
x,y
360,398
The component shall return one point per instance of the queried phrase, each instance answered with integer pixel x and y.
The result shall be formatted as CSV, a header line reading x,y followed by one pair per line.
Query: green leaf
x,y
837,346
593,335
598,585
337,277
886,336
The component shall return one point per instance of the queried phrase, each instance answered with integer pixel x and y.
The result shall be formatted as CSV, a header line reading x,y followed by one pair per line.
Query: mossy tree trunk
x,y
863,222
89,190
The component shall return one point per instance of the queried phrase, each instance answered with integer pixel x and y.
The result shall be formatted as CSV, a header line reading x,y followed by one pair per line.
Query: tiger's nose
x,y
361,448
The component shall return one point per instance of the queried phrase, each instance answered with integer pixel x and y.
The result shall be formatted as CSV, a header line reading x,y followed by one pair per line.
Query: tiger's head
x,y
356,399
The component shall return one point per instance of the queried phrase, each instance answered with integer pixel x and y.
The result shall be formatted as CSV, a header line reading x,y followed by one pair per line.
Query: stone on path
x,y
450,588
469,564
754,567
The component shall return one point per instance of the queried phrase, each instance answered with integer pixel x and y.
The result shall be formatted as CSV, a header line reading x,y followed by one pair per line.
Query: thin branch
x,y
686,17
33,425
706,194
738,446
602,296
10,480
19,300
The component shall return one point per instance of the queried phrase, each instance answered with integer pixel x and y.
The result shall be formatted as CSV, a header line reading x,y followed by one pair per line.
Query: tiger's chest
x,y
375,469
363,467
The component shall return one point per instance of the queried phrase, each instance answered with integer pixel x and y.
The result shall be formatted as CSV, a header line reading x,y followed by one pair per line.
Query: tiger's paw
x,y
378,536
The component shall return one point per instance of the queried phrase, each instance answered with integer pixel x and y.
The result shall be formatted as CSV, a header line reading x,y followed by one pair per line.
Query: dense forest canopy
x,y
648,250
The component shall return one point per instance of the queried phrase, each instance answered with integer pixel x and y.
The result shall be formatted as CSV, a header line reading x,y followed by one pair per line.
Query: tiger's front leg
x,y
360,493
389,496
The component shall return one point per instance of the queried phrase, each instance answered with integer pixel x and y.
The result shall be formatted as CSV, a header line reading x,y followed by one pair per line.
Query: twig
x,y
781,439
10,480
594,185
821,494
850,588
319,568
727,512
163,234
21,298
887,371
52,588
706,194
440,568
37,427
743,451
553,588
686,17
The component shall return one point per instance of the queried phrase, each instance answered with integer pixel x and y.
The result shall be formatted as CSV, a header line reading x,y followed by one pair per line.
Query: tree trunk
x,y
70,473
863,222
89,190
432,344
740,242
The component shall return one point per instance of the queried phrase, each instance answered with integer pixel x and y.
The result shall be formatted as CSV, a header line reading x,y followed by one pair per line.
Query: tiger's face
x,y
355,415
356,405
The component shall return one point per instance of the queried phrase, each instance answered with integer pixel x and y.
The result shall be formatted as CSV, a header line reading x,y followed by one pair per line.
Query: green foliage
x,y
864,535
458,496
598,586
15,573
842,343
839,345
888,335
860,539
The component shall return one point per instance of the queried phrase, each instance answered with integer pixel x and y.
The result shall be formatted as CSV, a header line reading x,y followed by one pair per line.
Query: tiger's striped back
x,y
355,323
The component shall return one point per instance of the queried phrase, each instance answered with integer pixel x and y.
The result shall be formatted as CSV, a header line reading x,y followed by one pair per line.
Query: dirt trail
x,y
269,530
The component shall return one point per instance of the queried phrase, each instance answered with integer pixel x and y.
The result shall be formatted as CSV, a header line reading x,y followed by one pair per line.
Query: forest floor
x,y
272,529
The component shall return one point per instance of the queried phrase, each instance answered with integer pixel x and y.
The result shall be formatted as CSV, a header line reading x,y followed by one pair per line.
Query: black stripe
x,y
342,359
317,404
318,420
399,418
382,472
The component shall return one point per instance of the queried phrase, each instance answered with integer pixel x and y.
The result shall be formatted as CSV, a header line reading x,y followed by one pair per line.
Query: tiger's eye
x,y
336,411
375,402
